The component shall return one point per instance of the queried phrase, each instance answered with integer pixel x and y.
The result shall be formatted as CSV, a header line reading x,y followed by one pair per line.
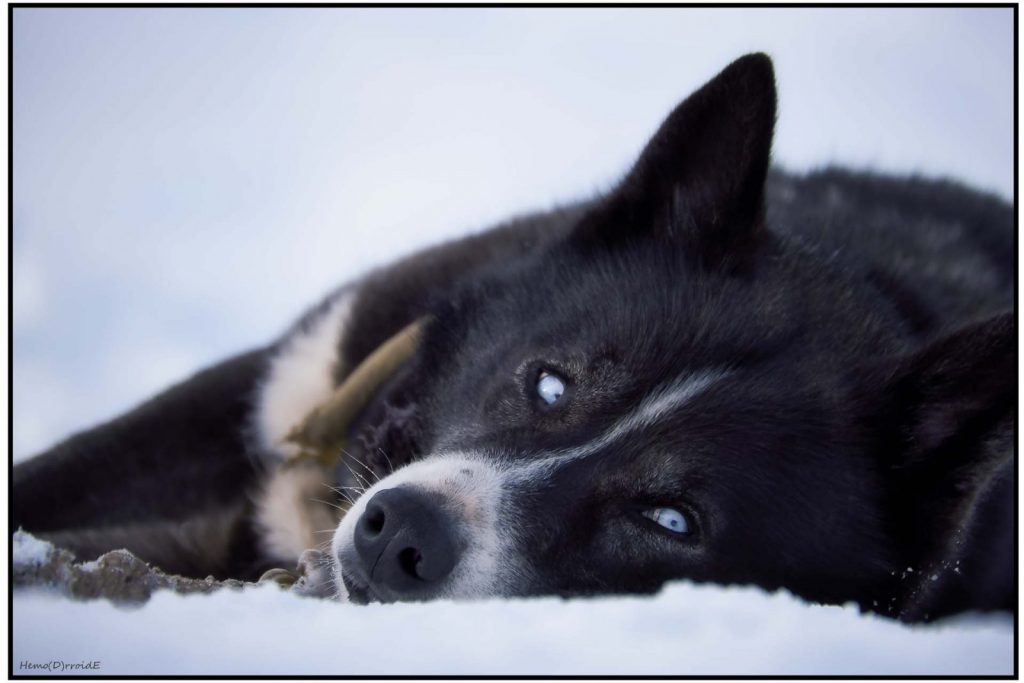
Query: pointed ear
x,y
700,180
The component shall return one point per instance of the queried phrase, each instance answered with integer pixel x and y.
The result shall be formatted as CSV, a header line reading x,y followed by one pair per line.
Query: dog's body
x,y
713,372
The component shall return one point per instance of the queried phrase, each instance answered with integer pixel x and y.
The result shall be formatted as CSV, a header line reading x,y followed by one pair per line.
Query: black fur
x,y
859,448
176,462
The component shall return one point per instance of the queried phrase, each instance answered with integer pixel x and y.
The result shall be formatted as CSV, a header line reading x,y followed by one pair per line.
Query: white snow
x,y
29,551
685,630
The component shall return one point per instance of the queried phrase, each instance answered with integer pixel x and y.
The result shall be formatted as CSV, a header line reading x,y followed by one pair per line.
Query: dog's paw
x,y
315,577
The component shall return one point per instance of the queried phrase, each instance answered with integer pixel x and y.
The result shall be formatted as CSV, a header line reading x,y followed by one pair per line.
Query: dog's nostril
x,y
373,520
409,560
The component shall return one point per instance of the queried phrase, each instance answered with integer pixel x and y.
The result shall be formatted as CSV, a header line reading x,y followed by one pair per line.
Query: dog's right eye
x,y
550,387
669,518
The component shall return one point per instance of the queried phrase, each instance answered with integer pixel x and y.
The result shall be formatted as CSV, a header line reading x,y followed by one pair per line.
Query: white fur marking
x,y
299,378
655,406
289,514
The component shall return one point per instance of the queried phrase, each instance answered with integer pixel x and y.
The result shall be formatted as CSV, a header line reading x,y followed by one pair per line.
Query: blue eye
x,y
670,518
550,387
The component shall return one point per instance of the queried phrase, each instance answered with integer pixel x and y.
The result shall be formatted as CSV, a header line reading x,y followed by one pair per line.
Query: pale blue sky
x,y
186,181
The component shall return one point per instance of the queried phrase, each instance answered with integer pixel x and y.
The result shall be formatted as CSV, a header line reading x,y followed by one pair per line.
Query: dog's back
x,y
942,251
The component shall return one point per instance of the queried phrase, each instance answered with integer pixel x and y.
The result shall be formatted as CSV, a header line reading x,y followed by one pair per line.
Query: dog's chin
x,y
358,593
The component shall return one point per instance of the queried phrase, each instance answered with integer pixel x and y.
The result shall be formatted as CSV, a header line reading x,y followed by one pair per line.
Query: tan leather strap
x,y
323,433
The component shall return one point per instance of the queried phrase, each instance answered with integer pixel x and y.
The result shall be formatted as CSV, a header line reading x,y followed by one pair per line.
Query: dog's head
x,y
666,391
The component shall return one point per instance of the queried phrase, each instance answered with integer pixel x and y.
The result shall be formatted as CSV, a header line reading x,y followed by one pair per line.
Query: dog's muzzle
x,y
429,530
405,546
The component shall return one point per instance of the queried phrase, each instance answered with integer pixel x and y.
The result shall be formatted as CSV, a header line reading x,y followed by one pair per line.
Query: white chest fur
x,y
290,512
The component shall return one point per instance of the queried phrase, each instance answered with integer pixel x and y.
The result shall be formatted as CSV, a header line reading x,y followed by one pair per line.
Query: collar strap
x,y
323,433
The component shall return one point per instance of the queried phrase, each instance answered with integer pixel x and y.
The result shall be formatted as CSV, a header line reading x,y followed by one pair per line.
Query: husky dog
x,y
716,372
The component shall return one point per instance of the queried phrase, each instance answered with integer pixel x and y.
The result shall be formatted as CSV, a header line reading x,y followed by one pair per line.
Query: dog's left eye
x,y
550,387
670,518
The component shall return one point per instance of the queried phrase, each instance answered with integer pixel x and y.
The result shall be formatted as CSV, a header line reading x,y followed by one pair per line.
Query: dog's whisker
x,y
344,494
391,467
366,467
361,464
358,477
349,493
327,502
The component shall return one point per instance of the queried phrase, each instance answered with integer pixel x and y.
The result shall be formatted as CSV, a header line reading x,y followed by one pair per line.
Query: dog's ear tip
x,y
699,181
755,74
757,64
754,67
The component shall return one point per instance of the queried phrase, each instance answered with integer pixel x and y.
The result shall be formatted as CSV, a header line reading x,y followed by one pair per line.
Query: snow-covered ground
x,y
685,630
186,181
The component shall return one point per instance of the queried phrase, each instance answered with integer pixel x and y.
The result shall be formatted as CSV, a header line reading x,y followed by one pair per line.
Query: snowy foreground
x,y
685,630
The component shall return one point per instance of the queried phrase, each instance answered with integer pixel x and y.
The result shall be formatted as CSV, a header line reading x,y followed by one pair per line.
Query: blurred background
x,y
187,181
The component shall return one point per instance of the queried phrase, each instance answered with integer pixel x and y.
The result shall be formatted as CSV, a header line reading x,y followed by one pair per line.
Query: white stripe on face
x,y
655,406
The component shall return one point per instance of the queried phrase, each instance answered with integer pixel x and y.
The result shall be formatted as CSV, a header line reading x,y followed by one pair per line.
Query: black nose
x,y
405,543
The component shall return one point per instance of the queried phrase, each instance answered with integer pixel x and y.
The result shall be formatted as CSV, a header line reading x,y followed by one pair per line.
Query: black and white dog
x,y
716,371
